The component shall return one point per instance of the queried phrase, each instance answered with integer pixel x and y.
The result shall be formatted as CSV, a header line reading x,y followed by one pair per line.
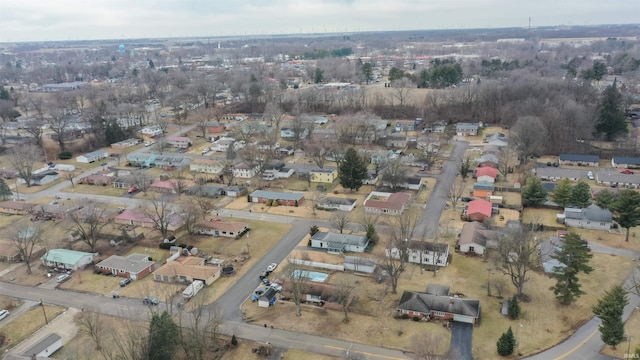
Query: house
x,y
405,125
286,151
92,156
68,86
221,228
482,189
288,133
180,142
410,182
467,129
171,162
322,294
245,170
97,179
556,174
625,162
486,174
336,243
274,173
428,306
207,166
371,178
396,141
151,131
325,175
579,160
16,207
360,264
67,259
478,210
336,203
186,269
208,191
386,203
591,217
283,198
125,144
437,127
267,298
214,127
133,266
422,252
488,160
125,181
141,159
41,178
53,211
475,238
10,253
138,217
164,187
236,191
547,250
44,348
616,179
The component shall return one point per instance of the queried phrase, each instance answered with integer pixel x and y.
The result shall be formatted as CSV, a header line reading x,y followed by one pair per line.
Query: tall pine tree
x,y
609,309
627,208
5,191
611,120
581,195
163,337
534,193
574,254
562,192
353,170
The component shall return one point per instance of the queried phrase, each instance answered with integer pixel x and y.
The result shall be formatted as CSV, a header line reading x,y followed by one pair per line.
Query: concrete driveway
x,y
461,340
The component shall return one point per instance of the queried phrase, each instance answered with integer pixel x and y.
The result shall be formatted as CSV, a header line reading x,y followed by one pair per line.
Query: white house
x,y
336,203
245,170
92,156
209,166
336,243
592,217
180,142
151,131
423,252
289,133
67,259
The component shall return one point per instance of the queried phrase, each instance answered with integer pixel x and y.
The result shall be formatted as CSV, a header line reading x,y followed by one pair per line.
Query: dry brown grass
x,y
95,190
27,324
546,217
612,239
630,329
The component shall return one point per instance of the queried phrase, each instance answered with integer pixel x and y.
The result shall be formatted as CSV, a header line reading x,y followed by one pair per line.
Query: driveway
x,y
461,339
430,218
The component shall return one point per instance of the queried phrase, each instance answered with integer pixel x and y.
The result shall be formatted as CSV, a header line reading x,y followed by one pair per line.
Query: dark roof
x,y
438,290
579,157
336,201
425,303
427,246
43,344
269,294
41,175
626,160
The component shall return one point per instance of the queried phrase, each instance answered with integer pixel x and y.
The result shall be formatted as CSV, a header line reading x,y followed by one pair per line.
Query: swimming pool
x,y
311,275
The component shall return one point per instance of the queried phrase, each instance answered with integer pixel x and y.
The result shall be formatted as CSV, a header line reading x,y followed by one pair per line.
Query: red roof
x,y
479,206
487,171
395,201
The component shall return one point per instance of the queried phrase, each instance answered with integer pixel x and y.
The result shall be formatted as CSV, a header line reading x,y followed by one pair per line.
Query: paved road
x,y
430,218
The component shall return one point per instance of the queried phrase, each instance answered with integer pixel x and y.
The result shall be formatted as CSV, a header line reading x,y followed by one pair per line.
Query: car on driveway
x,y
62,278
272,267
4,314
125,282
590,175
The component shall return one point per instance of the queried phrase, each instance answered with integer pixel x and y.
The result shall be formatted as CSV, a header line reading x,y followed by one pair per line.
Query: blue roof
x,y
275,195
626,160
65,256
483,185
579,157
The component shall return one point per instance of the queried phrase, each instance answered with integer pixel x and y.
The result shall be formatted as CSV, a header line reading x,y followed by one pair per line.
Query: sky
x,y
54,20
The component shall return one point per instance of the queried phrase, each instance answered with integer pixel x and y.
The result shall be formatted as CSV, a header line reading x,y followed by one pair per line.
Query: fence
x,y
317,264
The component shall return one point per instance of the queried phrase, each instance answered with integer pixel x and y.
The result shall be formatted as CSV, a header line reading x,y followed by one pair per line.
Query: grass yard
x,y
546,217
96,190
612,239
25,325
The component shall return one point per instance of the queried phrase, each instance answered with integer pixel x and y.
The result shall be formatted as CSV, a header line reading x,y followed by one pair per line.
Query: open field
x,y
96,190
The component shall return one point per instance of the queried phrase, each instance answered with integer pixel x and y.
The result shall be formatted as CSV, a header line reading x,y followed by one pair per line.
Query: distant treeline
x,y
321,54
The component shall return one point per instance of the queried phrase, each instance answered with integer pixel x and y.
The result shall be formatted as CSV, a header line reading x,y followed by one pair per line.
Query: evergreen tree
x,y
465,166
611,120
575,255
562,192
605,198
151,64
163,337
395,74
318,77
609,309
4,94
627,208
514,308
353,170
506,343
534,193
5,191
367,72
581,195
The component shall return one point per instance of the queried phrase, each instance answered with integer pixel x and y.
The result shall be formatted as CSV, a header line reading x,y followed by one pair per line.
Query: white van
x,y
193,289
62,278
4,314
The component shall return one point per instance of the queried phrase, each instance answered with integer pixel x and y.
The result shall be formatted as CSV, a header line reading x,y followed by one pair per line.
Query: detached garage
x,y
45,347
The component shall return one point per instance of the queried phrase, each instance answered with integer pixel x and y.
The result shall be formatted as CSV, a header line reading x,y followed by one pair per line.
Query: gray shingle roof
x,y
579,157
345,239
425,303
275,195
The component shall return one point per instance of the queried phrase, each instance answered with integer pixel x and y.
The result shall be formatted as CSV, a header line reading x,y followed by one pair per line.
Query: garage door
x,y
463,318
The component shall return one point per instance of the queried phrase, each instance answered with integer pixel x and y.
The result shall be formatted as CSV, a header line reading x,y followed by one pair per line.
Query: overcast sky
x,y
30,20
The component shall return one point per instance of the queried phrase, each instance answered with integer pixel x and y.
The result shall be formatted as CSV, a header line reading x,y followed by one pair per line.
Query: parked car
x,y
150,301
62,278
125,282
4,314
590,175
132,190
148,143
272,267
276,287
467,199
206,150
263,275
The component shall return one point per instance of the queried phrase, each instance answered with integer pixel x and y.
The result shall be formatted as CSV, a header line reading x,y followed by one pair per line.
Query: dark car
x,y
150,301
263,275
467,199
125,282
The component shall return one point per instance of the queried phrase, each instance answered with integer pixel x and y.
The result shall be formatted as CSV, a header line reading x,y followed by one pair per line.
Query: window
x,y
471,248
438,313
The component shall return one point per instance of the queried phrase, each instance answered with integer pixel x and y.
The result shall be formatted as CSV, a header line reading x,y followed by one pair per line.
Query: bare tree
x,y
427,347
402,90
69,175
298,284
199,330
27,240
456,191
313,199
394,173
507,160
317,153
89,222
517,255
23,160
143,181
190,215
527,137
340,220
203,117
345,294
178,182
401,231
203,203
160,213
59,123
274,115
93,325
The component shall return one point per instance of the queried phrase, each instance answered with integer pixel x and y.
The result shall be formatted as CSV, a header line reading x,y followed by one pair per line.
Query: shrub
x,y
165,246
234,340
416,318
65,155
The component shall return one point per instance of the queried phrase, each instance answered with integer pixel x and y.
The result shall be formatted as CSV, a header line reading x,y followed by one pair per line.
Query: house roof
x,y
16,205
336,201
65,256
616,177
176,268
438,290
135,215
547,249
425,303
324,170
223,226
96,154
268,294
179,138
275,195
395,201
466,126
43,344
133,263
488,158
162,184
579,157
480,206
42,175
555,172
342,239
476,233
591,213
487,171
483,185
427,246
626,160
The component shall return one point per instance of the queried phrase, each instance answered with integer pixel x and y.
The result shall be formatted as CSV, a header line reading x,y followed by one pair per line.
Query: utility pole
x,y
44,312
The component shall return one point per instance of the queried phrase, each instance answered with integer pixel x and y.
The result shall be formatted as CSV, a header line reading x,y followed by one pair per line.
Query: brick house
x,y
438,304
133,266
283,198
386,203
